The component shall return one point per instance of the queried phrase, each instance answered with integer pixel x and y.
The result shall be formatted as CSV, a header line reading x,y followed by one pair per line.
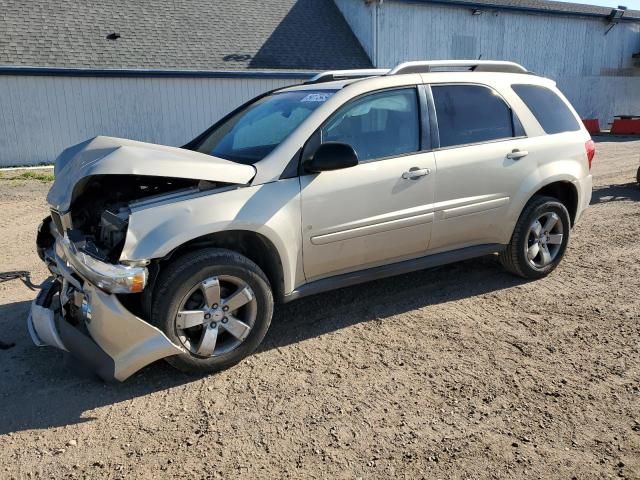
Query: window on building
x,y
471,114
551,112
379,125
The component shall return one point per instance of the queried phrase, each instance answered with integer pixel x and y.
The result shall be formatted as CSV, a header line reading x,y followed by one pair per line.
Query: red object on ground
x,y
592,125
626,127
590,147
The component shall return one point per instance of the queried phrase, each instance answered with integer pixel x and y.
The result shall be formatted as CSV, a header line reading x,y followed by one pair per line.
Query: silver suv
x,y
181,253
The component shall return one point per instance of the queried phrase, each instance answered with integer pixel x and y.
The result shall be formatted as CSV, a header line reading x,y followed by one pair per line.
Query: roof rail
x,y
331,75
421,67
455,65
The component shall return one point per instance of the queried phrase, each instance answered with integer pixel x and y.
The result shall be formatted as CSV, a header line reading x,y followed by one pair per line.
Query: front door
x,y
379,211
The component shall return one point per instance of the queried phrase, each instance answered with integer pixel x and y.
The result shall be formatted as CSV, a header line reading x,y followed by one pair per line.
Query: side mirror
x,y
332,156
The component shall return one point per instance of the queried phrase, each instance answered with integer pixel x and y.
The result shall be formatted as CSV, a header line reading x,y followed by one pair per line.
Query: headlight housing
x,y
108,277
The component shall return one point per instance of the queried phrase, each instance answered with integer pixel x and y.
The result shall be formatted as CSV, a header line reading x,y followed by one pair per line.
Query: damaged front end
x,y
98,219
77,310
93,306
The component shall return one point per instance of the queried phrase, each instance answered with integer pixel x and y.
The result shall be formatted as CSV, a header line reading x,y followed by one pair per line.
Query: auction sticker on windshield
x,y
317,97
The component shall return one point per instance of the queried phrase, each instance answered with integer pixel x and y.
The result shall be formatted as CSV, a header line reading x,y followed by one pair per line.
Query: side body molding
x,y
372,225
474,207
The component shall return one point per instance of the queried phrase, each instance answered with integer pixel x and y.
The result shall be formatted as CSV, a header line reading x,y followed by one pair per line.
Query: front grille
x,y
57,221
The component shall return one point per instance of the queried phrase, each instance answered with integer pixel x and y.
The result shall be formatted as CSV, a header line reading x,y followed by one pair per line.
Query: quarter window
x,y
472,114
379,125
551,112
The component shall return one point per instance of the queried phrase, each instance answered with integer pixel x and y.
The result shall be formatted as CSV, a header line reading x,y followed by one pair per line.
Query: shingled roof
x,y
178,34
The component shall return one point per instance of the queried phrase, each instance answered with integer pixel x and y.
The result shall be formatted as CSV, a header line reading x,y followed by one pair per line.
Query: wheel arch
x,y
565,192
253,245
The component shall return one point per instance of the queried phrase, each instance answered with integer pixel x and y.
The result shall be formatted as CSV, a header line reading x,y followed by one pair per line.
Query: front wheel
x,y
539,240
216,304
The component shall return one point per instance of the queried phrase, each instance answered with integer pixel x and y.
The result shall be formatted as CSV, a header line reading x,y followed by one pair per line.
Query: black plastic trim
x,y
84,349
433,118
291,170
49,288
425,124
398,268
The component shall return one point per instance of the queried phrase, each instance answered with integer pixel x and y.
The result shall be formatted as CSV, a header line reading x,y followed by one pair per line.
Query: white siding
x,y
42,115
593,69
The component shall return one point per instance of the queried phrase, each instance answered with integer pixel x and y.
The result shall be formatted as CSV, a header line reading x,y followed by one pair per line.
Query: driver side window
x,y
379,125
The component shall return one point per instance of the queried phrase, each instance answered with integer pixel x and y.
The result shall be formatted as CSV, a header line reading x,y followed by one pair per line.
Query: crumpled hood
x,y
117,156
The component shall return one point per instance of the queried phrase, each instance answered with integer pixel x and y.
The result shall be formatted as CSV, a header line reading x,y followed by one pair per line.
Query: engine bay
x,y
101,207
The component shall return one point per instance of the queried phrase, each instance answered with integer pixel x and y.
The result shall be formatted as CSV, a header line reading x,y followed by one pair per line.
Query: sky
x,y
631,4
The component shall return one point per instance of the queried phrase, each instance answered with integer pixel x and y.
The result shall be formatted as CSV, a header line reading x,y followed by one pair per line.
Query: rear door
x,y
481,160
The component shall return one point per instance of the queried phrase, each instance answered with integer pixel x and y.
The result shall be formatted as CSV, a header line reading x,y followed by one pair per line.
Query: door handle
x,y
516,154
416,172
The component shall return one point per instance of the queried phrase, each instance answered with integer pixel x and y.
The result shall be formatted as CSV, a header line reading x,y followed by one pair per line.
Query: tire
x,y
188,285
515,258
638,175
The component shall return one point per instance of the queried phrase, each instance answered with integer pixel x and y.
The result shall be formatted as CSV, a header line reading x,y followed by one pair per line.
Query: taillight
x,y
590,147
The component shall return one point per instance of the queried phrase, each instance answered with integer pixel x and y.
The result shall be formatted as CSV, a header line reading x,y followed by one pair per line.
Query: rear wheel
x,y
216,304
539,240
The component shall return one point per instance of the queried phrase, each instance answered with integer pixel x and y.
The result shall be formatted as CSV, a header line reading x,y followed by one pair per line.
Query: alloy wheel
x,y
216,316
544,240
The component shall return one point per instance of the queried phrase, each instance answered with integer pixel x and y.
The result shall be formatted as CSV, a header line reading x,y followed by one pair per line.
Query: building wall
x,y
593,69
361,18
42,115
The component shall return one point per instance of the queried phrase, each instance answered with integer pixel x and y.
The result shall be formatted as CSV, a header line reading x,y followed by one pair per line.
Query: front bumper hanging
x,y
48,327
105,335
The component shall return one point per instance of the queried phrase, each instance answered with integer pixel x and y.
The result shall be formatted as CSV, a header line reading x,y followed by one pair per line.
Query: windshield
x,y
253,132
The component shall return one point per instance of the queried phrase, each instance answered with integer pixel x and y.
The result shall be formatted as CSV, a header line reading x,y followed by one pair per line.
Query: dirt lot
x,y
457,372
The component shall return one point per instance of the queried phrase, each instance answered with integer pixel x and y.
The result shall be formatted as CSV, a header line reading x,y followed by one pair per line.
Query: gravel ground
x,y
457,372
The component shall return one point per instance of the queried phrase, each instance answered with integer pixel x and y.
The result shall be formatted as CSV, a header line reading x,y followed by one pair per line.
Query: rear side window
x,y
551,112
472,114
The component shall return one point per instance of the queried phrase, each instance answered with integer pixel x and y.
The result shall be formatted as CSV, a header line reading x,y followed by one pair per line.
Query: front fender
x,y
272,210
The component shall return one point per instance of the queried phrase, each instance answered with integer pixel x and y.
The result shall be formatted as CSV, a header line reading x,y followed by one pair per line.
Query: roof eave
x,y
139,72
516,8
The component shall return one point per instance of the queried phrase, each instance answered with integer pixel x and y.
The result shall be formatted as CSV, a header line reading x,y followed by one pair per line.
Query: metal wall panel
x,y
602,97
42,115
359,17
593,69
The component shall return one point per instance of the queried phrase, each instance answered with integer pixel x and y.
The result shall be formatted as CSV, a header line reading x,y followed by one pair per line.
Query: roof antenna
x,y
113,36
